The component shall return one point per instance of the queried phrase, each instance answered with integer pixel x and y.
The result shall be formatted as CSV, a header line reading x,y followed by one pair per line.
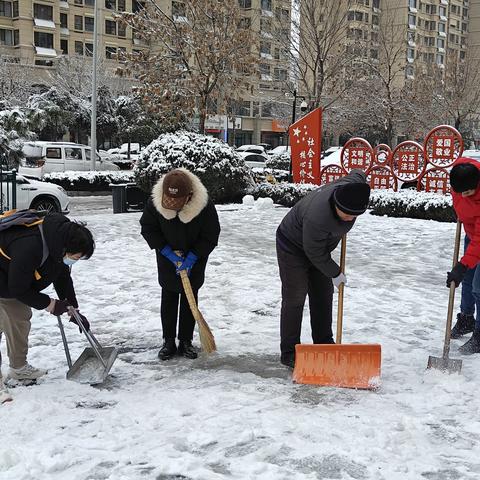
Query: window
x,y
137,6
110,4
410,54
121,5
267,109
122,30
6,37
441,27
245,3
411,38
44,12
428,41
89,49
430,25
375,19
242,108
265,48
63,20
89,24
266,5
374,37
64,46
5,9
374,53
442,11
440,43
90,3
412,20
280,74
412,3
78,2
376,3
431,9
78,23
265,25
440,59
110,27
44,40
79,48
409,72
110,52
53,153
43,63
245,23
72,153
178,9
264,69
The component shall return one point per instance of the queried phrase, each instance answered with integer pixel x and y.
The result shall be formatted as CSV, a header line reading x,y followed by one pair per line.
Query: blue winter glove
x,y
188,263
167,252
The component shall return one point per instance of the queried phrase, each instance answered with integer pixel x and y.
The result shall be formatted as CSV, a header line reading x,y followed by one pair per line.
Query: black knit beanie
x,y
463,177
352,198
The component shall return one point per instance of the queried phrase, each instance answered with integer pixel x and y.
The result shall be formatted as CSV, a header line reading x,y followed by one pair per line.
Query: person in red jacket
x,y
465,183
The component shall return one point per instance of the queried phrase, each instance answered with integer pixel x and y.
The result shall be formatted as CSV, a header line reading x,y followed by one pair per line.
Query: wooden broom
x,y
207,339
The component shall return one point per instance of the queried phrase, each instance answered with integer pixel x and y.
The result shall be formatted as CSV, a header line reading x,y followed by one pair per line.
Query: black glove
x,y
85,322
60,307
457,274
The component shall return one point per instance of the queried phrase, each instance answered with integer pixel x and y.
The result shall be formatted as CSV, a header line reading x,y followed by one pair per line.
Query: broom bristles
x,y
207,340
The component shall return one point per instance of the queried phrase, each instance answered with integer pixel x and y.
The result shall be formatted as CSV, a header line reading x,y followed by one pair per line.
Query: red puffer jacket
x,y
468,212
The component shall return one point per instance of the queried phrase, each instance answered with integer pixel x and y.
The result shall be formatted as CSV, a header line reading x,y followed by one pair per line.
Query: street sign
x,y
408,161
357,153
443,145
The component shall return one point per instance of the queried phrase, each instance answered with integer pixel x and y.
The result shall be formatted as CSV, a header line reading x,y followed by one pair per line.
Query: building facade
x,y
36,33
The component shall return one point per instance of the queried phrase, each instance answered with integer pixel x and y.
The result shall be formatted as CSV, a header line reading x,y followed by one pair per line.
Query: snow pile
x,y
261,203
278,162
412,204
217,164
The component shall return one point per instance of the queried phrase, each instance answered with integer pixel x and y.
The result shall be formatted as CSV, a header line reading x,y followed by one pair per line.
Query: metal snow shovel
x,y
445,363
337,365
95,362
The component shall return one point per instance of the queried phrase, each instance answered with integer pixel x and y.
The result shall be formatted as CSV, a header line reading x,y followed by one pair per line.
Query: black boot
x,y
465,324
288,359
186,349
473,345
168,350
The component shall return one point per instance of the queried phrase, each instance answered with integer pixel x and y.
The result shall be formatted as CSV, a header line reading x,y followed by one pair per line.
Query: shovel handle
x,y
90,337
65,343
451,298
341,290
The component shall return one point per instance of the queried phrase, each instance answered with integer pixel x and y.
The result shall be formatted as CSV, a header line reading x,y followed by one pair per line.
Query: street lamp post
x,y
303,108
93,129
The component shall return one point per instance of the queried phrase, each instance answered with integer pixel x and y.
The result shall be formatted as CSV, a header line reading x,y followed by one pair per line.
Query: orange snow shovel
x,y
337,365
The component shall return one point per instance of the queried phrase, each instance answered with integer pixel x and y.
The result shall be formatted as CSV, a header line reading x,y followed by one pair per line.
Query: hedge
x,y
88,181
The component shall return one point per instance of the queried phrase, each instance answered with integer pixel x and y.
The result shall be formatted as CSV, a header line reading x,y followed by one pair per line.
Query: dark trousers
x,y
169,314
300,278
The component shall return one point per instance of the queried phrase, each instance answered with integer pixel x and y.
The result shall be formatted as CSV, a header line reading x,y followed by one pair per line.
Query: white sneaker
x,y
27,372
4,395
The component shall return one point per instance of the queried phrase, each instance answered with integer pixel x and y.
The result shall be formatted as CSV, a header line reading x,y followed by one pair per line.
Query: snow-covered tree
x,y
202,55
221,170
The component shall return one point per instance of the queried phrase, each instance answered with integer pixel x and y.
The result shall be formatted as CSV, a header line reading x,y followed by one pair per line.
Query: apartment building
x,y
36,33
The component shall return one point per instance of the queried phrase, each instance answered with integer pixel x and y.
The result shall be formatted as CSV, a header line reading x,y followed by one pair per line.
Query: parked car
x,y
331,150
62,156
251,149
280,150
254,160
31,193
119,159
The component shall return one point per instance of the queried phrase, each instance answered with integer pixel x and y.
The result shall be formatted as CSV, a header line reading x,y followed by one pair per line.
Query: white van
x,y
62,156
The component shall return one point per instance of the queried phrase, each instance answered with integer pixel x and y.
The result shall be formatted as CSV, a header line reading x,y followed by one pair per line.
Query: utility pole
x,y
93,129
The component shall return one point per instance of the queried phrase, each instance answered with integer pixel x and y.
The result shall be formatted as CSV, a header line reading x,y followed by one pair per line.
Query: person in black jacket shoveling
x,y
305,239
181,224
31,258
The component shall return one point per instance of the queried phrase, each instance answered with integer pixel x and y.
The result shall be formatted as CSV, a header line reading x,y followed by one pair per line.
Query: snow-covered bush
x,y
88,181
261,175
221,170
412,204
279,162
286,194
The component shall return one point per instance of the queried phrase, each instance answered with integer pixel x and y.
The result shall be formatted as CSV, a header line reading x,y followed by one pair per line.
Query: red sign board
x,y
306,143
435,180
408,161
382,154
443,145
357,153
330,173
381,177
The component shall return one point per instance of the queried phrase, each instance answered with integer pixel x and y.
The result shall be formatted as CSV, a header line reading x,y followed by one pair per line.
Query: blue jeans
x,y
471,291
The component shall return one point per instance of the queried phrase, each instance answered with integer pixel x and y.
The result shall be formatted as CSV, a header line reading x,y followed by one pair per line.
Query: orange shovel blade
x,y
350,366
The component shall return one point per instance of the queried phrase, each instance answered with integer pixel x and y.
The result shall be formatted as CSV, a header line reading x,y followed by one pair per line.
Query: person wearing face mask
x,y
32,258
181,224
465,183
306,238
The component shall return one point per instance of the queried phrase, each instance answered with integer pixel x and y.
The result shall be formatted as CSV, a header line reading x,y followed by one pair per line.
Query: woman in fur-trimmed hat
x,y
181,224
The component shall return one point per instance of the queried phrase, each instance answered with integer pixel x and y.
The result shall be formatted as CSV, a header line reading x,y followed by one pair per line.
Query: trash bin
x,y
119,197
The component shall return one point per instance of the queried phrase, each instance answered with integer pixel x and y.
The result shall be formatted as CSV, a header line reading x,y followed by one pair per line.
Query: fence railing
x,y
8,189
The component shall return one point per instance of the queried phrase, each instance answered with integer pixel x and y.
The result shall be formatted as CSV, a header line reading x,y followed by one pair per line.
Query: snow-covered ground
x,y
237,414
